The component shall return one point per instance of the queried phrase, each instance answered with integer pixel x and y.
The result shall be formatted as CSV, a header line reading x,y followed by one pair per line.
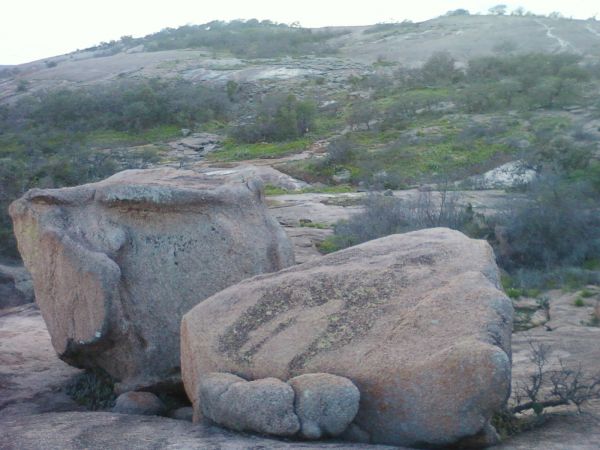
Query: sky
x,y
37,29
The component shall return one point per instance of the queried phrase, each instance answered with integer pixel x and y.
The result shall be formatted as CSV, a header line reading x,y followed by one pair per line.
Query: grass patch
x,y
112,138
325,125
92,389
329,245
306,223
233,151
276,190
336,189
514,293
579,302
508,424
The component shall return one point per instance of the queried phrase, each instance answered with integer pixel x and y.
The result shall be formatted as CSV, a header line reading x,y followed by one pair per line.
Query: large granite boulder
x,y
116,264
416,321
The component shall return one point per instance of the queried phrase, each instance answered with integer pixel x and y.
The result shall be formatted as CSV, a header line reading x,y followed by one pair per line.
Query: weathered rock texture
x,y
116,264
325,404
311,405
265,406
141,403
16,287
32,378
416,321
104,430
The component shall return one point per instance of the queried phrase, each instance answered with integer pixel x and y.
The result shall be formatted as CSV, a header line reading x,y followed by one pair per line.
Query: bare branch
x,y
547,388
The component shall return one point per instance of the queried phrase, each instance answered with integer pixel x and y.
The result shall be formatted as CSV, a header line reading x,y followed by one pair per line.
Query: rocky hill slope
x,y
356,49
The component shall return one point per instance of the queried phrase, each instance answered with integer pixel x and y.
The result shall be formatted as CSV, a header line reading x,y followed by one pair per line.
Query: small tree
x,y
458,12
22,86
340,151
498,10
361,114
557,226
278,117
440,68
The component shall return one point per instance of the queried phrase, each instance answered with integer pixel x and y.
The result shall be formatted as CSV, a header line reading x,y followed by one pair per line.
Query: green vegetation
x,y
338,189
305,223
242,38
586,293
385,215
510,286
124,106
405,127
579,302
419,124
51,139
92,389
234,151
278,117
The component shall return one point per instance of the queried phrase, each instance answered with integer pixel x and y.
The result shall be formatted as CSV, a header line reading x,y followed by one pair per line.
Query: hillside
x,y
409,44
388,106
489,125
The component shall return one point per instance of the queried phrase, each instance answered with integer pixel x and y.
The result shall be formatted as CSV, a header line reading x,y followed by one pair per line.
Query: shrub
x,y
361,114
548,387
586,293
340,151
385,215
458,12
579,302
514,292
92,389
244,38
440,69
279,117
558,226
22,86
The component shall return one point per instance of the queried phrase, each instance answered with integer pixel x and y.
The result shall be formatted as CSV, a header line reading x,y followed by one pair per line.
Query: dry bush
x,y
548,387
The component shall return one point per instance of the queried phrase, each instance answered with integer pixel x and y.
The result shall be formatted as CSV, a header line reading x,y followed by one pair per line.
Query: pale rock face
x,y
116,264
140,403
325,404
264,406
511,174
416,321
309,406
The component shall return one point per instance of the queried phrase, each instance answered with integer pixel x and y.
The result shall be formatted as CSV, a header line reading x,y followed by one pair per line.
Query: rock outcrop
x,y
311,405
16,287
416,321
267,174
105,430
116,264
32,378
265,406
325,404
140,403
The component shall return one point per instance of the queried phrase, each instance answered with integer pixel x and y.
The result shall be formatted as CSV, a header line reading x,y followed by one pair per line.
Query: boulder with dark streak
x,y
418,322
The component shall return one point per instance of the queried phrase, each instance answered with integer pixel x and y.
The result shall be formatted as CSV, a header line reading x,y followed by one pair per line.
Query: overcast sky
x,y
35,29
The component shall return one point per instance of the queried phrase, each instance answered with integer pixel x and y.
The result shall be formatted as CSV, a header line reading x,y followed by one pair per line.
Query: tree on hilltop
x,y
498,10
